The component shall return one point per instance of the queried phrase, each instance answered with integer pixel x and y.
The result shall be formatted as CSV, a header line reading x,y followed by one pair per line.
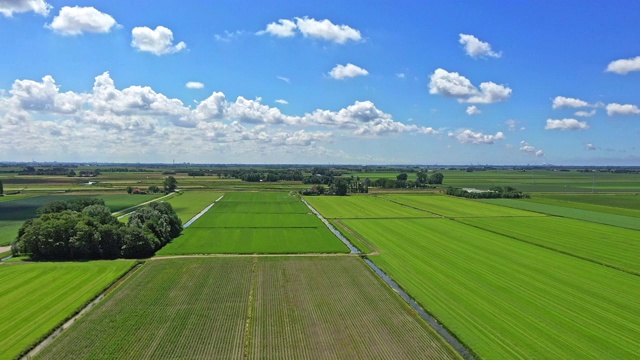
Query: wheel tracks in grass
x,y
409,206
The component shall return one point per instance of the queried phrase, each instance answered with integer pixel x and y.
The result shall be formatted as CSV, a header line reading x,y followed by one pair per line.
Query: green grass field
x,y
36,297
362,207
509,299
579,214
613,246
247,223
456,207
189,203
626,205
257,308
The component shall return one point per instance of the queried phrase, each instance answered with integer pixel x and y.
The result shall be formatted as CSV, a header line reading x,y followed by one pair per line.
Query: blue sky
x,y
357,82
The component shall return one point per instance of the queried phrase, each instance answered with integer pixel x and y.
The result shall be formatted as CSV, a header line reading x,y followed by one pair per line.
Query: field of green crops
x,y
362,207
251,222
505,298
36,297
574,213
613,246
258,308
626,205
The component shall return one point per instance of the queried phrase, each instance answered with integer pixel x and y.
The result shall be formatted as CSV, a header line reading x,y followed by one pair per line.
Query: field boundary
x,y
409,206
198,215
435,325
37,346
584,258
354,250
128,212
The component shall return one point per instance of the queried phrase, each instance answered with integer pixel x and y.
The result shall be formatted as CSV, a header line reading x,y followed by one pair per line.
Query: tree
x,y
1,188
170,184
436,178
129,190
402,177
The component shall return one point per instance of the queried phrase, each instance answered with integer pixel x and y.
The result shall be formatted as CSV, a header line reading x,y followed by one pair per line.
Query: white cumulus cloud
x,y
8,7
282,101
283,28
624,66
326,30
347,71
526,147
476,48
585,113
158,41
452,84
194,85
78,20
565,102
473,110
566,124
619,109
468,136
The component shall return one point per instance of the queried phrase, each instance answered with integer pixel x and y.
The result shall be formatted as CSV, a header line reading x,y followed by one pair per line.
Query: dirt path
x,y
4,249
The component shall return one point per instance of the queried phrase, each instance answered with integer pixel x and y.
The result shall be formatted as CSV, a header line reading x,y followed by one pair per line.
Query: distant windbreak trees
x,y
83,229
496,192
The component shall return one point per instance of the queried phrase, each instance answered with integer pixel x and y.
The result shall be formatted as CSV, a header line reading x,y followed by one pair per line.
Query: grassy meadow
x,y
36,297
257,308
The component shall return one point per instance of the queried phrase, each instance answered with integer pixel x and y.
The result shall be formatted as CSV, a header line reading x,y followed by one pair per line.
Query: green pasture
x,y
569,212
252,222
188,204
505,298
36,297
609,245
255,308
450,206
219,219
626,205
362,207
267,240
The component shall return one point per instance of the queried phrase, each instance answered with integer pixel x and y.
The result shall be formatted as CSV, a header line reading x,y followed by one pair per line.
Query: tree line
x,y
84,228
496,192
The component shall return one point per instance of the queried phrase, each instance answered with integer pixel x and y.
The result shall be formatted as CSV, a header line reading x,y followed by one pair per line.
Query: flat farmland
x,y
505,298
626,205
362,207
613,246
628,222
36,297
259,308
456,207
188,204
248,223
14,212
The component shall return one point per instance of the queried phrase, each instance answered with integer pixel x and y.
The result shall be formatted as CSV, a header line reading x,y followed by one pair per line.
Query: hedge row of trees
x,y
497,192
85,229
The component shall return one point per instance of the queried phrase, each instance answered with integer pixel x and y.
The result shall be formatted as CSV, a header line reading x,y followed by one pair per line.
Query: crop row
x,y
300,308
505,298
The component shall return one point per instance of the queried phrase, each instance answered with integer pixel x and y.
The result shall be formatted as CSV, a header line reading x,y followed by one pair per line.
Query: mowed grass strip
x,y
188,204
169,309
205,308
334,308
36,297
609,245
456,207
253,241
264,229
628,222
362,207
218,219
509,299
627,205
